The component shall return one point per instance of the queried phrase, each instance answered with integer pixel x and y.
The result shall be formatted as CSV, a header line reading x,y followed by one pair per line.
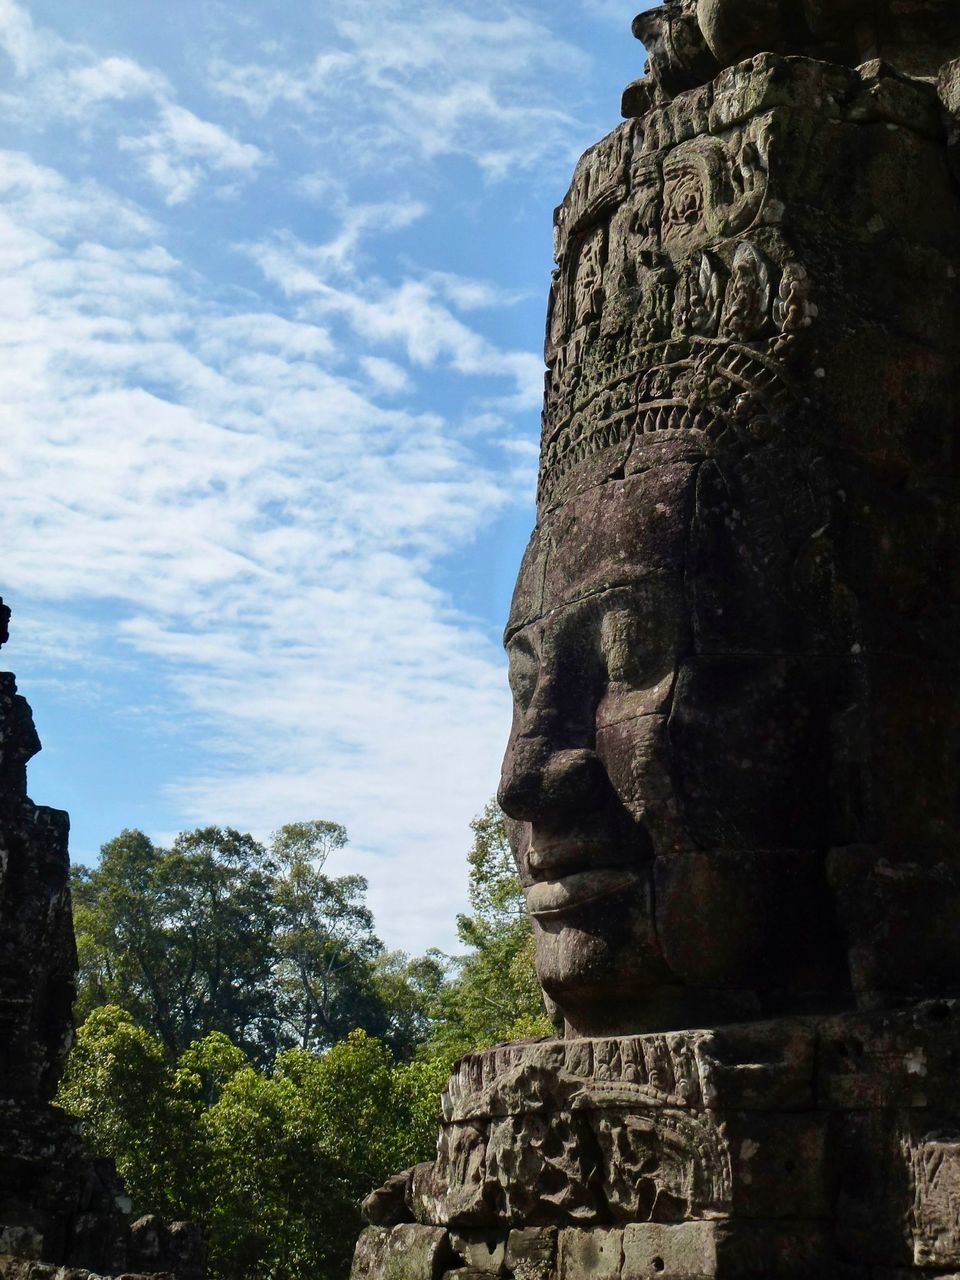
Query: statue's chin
x,y
607,977
601,966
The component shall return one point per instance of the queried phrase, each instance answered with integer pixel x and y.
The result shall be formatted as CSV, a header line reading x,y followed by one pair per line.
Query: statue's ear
x,y
734,576
762,571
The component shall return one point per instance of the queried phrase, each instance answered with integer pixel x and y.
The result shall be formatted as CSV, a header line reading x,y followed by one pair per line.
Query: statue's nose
x,y
541,784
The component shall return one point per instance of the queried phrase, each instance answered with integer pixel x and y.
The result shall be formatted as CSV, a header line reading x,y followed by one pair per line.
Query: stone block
x,y
20,1242
779,1165
935,1160
532,1253
874,1197
726,1251
407,1252
594,1253
898,1202
888,1060
20,1269
482,1251
773,1251
655,1252
895,1273
764,1066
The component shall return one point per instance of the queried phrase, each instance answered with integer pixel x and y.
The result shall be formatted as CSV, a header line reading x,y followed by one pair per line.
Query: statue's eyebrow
x,y
608,588
518,640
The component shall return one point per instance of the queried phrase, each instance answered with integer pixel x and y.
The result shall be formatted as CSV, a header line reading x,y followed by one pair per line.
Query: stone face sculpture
x,y
732,778
739,604
689,41
57,1206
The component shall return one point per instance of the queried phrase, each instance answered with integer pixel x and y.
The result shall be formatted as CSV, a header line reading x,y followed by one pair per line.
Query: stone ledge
x,y
640,1251
852,1061
20,1269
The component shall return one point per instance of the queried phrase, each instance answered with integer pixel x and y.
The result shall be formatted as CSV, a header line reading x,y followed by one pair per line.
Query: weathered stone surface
x,y
690,40
407,1252
935,1160
695,1250
531,1253
735,660
769,1140
388,1206
596,1254
176,1247
482,1253
734,643
22,1269
687,1250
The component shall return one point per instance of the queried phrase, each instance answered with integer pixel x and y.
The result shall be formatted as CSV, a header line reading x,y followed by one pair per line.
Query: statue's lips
x,y
569,893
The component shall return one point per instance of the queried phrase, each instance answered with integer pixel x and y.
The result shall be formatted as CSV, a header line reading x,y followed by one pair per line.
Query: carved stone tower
x,y
732,779
57,1206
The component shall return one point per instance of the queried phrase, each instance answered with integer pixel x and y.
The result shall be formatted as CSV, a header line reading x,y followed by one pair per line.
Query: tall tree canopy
x,y
182,937
252,1056
324,939
221,933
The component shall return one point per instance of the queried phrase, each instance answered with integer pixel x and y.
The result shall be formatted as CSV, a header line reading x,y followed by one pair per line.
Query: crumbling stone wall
x,y
58,1208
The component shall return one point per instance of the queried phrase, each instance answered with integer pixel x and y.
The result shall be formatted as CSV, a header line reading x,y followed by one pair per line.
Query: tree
x,y
494,994
181,937
272,1163
408,991
219,933
223,953
117,1083
293,1154
324,940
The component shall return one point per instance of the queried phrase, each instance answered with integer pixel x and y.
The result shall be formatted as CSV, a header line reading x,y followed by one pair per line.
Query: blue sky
x,y
275,277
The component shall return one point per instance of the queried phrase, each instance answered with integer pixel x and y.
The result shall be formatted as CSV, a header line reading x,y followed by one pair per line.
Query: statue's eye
x,y
623,644
620,640
524,674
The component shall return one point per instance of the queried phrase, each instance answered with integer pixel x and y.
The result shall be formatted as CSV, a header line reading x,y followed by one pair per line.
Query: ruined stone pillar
x,y
58,1208
732,779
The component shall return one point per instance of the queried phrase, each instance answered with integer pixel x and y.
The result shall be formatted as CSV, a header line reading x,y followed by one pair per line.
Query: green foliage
x,y
273,1164
494,994
408,991
324,941
182,938
251,1055
221,934
117,1082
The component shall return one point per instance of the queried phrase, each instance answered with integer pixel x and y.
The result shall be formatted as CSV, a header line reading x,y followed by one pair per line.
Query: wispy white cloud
x,y
112,79
25,46
47,205
416,83
180,149
385,374
268,531
356,221
57,79
418,316
260,87
250,467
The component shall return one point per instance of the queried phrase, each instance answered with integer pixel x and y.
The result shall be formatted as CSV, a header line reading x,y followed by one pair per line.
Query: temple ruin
x,y
732,779
63,1215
